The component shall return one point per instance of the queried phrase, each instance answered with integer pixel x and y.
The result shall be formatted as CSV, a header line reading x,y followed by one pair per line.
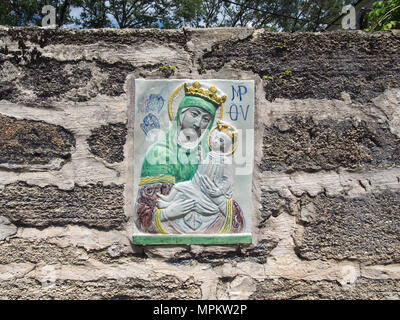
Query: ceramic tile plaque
x,y
193,161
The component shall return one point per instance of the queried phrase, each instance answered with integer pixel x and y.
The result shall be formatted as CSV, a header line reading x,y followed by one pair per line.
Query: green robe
x,y
166,158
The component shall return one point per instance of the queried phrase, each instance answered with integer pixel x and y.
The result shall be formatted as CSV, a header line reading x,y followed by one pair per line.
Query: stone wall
x,y
326,182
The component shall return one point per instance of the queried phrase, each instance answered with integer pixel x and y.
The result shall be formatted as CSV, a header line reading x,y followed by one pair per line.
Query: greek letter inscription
x,y
237,110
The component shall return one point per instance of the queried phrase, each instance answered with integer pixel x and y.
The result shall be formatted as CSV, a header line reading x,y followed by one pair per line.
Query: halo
x,y
220,126
175,94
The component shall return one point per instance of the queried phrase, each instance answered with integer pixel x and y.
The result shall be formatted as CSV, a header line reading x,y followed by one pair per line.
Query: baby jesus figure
x,y
206,193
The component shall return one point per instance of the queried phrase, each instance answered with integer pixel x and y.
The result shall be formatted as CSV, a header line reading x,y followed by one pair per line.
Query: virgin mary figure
x,y
175,159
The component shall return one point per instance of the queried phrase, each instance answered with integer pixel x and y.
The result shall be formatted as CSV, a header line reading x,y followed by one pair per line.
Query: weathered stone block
x,y
6,228
320,66
113,84
33,145
363,288
107,142
273,204
97,206
219,255
40,82
44,37
365,228
312,145
48,78
130,288
22,251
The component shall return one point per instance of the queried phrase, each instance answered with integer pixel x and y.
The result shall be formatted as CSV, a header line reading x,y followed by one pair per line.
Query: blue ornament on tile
x,y
154,103
150,122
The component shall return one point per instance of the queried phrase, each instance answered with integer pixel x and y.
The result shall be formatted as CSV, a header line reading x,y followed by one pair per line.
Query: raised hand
x,y
210,188
178,209
164,201
169,196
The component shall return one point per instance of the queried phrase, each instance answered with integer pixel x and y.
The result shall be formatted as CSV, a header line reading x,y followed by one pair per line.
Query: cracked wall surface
x,y
326,181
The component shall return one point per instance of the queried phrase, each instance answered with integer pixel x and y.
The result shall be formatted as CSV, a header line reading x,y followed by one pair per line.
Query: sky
x,y
76,12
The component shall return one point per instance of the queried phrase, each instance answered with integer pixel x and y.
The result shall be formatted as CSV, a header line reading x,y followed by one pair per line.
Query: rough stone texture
x,y
33,145
107,142
364,228
273,204
47,67
48,78
326,179
309,145
363,289
44,80
95,206
168,288
113,85
322,65
45,37
6,228
257,253
22,251
66,245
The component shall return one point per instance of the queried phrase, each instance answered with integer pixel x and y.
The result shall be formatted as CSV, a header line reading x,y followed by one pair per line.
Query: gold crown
x,y
227,129
209,94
